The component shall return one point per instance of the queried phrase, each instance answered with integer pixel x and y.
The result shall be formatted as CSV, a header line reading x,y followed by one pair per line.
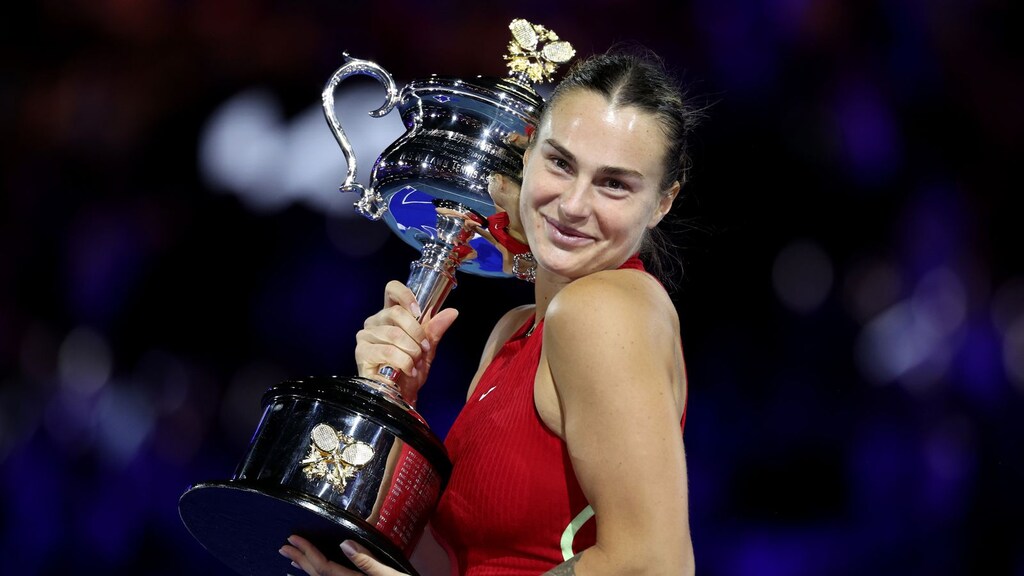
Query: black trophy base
x,y
245,525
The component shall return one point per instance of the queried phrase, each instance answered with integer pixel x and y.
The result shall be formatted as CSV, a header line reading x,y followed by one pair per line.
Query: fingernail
x,y
415,309
296,565
282,552
425,344
348,548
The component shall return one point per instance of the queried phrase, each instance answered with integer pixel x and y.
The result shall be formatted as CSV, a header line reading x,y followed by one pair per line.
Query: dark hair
x,y
637,78
632,76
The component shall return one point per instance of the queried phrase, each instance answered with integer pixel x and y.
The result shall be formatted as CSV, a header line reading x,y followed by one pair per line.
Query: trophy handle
x,y
370,204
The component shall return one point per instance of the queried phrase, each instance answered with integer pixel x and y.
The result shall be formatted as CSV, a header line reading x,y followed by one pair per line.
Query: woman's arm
x,y
612,346
395,337
392,336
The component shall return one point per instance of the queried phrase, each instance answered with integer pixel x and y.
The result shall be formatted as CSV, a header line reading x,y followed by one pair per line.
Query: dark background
x,y
172,243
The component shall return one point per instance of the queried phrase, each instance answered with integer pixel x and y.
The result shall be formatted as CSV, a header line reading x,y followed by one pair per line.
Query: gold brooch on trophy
x,y
535,52
334,456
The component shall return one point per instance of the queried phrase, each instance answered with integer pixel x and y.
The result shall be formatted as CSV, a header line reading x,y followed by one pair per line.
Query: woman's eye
x,y
615,185
560,163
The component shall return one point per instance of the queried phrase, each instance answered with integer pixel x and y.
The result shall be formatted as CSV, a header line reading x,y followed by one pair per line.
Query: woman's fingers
x,y
520,141
310,560
438,325
396,327
363,560
371,355
436,328
393,336
505,193
397,293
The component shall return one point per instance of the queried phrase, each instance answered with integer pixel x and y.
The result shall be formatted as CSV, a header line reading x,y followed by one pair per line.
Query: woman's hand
x,y
395,337
504,191
505,228
306,557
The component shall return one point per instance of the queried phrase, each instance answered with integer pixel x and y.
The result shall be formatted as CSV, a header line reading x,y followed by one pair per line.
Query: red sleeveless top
x,y
513,505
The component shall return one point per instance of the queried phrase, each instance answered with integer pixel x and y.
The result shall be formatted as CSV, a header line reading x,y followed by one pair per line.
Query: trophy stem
x,y
432,277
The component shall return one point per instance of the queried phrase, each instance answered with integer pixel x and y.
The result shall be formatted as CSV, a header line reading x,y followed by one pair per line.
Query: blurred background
x,y
172,243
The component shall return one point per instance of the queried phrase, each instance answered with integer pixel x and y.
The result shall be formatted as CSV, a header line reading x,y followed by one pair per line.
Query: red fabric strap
x,y
497,225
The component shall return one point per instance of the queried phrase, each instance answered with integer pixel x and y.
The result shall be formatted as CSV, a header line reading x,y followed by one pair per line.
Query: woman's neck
x,y
546,286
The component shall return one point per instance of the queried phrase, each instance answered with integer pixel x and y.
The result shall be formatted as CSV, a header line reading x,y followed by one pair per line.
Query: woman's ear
x,y
664,204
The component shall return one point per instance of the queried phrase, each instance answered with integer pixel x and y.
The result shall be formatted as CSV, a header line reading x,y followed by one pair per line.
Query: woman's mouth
x,y
566,236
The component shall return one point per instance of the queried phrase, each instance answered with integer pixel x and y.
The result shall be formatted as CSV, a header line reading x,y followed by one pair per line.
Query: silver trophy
x,y
348,458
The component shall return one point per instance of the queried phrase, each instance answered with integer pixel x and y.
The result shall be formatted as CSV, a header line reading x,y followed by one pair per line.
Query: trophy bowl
x,y
456,137
348,458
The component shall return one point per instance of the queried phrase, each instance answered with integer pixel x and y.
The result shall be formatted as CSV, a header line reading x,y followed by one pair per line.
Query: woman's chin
x,y
571,268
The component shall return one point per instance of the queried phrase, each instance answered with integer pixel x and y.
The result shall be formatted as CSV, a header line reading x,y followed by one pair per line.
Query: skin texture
x,y
567,568
610,384
590,186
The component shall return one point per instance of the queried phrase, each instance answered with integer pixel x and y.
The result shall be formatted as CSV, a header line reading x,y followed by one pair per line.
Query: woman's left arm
x,y
611,341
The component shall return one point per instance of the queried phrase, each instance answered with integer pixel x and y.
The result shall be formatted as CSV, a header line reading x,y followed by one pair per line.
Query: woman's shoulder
x,y
602,312
612,325
629,292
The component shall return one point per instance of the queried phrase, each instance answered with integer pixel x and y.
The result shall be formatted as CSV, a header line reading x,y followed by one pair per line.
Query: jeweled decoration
x,y
535,52
334,456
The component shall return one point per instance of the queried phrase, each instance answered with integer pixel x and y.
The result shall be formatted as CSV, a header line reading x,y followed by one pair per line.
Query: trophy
x,y
337,458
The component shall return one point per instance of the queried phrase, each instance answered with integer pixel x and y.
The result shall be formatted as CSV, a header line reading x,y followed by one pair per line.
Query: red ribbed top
x,y
512,493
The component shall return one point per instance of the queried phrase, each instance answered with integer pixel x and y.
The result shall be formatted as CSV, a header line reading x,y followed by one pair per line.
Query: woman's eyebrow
x,y
561,149
624,173
606,170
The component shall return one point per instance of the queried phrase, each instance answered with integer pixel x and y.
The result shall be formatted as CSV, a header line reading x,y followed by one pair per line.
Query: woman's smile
x,y
565,236
590,184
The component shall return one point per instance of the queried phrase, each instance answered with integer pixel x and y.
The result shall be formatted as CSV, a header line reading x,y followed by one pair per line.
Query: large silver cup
x,y
348,458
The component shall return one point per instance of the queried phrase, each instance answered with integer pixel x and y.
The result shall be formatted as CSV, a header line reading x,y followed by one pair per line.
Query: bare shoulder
x,y
612,327
621,297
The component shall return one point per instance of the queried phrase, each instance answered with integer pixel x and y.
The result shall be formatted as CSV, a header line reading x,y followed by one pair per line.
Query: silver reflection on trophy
x,y
337,458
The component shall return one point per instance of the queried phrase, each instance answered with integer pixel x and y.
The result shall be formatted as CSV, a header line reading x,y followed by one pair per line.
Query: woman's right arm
x,y
395,337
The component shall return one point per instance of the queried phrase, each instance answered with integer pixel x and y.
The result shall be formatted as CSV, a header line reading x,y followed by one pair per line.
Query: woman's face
x,y
591,184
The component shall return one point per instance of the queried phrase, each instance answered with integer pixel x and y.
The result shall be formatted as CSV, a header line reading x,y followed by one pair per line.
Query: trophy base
x,y
244,525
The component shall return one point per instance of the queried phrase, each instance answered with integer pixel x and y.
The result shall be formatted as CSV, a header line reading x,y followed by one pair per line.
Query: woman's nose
x,y
574,204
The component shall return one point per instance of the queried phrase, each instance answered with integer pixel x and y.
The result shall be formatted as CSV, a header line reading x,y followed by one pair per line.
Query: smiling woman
x,y
591,184
568,455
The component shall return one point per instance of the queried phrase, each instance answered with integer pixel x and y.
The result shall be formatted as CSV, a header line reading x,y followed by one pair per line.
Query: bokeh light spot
x,y
84,361
248,148
802,276
912,340
123,419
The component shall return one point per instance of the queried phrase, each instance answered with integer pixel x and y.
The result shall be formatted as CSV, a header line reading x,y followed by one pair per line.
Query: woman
x,y
568,456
